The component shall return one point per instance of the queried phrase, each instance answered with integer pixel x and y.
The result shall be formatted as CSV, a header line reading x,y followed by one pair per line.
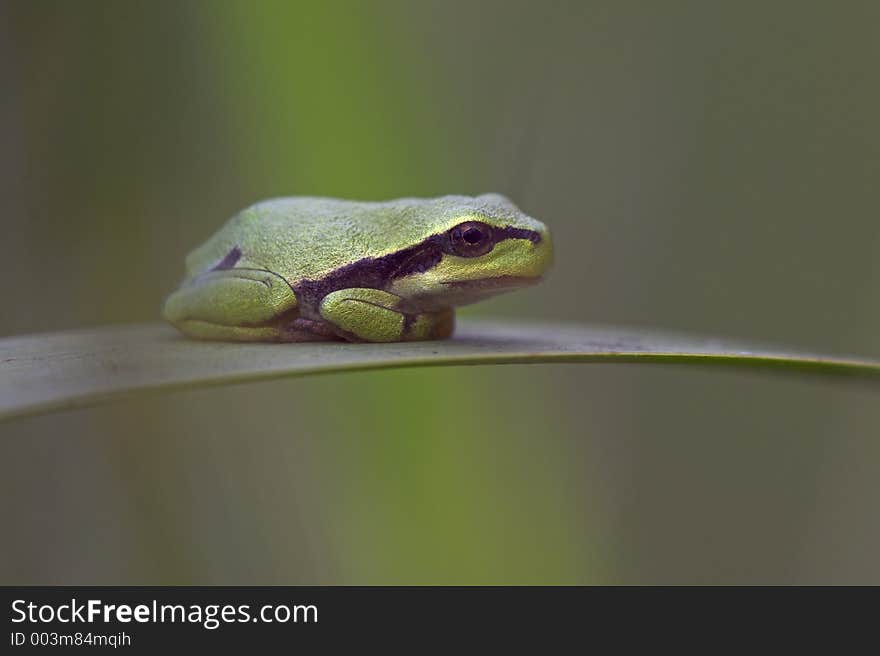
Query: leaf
x,y
54,371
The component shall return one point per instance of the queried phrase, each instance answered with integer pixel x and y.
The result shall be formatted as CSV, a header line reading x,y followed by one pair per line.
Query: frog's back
x,y
308,237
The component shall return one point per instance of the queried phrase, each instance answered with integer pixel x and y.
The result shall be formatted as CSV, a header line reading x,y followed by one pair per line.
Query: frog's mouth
x,y
465,292
496,284
452,293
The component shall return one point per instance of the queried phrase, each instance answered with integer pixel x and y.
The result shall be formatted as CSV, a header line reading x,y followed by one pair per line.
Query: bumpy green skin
x,y
305,269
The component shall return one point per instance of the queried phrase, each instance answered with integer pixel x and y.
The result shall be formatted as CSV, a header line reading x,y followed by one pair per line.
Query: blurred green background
x,y
708,167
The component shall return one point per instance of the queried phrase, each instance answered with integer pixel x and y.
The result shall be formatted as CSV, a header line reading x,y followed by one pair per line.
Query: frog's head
x,y
478,247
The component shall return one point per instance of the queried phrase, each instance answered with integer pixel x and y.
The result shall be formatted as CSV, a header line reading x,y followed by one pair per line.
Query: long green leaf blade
x,y
54,371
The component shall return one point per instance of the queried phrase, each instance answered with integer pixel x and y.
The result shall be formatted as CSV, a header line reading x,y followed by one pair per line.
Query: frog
x,y
305,268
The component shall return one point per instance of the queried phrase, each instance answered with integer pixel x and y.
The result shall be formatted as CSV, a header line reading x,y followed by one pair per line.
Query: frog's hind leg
x,y
249,305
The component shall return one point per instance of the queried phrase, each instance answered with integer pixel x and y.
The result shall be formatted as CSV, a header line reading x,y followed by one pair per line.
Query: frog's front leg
x,y
373,315
236,304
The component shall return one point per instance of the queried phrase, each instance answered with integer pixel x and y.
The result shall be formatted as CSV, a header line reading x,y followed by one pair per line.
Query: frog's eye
x,y
471,239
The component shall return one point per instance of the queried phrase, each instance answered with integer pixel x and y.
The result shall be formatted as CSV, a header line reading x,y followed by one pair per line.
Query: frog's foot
x,y
373,315
247,305
307,330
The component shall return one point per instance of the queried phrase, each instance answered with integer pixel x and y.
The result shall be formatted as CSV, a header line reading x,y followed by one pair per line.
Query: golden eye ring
x,y
471,239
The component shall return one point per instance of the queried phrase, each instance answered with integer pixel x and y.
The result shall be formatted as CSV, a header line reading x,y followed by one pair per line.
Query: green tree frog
x,y
311,269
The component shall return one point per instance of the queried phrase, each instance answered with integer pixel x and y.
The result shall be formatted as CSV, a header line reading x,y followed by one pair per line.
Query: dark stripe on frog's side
x,y
380,272
229,261
370,272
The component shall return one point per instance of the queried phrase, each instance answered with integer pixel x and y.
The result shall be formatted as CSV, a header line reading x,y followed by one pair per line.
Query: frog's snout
x,y
527,258
542,252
